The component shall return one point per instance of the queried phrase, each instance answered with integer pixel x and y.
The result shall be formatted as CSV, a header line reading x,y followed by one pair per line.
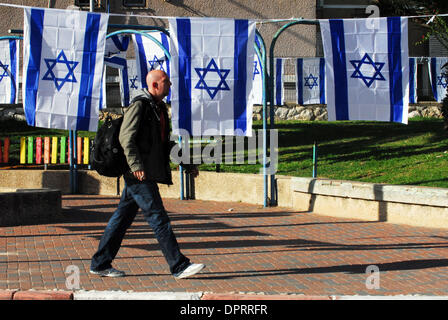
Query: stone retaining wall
x,y
286,112
411,205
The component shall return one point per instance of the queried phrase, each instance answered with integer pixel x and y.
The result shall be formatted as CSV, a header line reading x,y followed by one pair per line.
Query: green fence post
x,y
30,150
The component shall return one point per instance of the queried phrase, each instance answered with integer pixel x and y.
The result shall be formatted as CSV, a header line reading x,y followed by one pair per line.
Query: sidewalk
x,y
250,252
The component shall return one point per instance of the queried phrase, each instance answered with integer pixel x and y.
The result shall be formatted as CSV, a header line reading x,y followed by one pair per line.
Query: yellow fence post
x,y
22,150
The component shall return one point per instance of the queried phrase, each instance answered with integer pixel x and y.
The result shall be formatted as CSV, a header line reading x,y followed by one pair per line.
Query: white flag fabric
x,y
150,56
412,80
103,102
132,82
310,81
279,93
257,81
9,71
211,71
63,68
367,68
439,80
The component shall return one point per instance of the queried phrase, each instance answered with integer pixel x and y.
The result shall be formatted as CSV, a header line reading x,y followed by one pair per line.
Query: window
x,y
134,3
83,3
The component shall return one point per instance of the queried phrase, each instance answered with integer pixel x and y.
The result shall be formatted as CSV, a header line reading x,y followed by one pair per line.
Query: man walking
x,y
144,136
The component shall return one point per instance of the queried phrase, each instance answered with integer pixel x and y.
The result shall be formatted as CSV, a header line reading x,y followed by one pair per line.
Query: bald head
x,y
158,84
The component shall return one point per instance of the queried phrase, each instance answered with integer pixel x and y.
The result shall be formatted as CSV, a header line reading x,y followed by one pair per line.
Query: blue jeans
x,y
144,195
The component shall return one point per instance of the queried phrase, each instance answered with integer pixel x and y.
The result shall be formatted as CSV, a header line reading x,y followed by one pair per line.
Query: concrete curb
x,y
225,296
130,295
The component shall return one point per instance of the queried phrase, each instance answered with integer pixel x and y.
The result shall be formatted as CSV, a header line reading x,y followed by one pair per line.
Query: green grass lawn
x,y
413,154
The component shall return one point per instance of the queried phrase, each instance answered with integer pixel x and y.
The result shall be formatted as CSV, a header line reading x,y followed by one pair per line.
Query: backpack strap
x,y
149,105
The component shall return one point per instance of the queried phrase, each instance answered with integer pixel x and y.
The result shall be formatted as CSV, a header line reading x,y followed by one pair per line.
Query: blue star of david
x,y
5,71
442,81
51,63
133,85
377,66
222,73
157,63
256,71
311,81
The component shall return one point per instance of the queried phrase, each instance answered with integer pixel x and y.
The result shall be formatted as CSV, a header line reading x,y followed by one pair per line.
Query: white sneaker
x,y
192,269
111,272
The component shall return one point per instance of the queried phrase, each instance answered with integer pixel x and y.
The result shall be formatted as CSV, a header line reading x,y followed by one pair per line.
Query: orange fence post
x,y
38,150
47,150
79,150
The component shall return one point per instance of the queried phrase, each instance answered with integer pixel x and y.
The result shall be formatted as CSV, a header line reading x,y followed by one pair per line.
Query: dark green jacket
x,y
141,139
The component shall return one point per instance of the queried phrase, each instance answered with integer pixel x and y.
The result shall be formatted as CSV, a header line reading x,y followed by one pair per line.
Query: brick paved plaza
x,y
247,249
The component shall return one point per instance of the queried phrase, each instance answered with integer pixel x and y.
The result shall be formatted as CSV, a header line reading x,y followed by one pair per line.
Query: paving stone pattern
x,y
247,249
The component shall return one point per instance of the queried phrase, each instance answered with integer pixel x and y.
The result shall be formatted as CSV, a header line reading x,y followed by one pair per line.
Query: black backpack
x,y
106,154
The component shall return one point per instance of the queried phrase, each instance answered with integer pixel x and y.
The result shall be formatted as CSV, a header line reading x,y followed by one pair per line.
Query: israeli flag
x,y
117,45
118,61
279,93
310,81
257,87
150,56
211,73
367,68
257,81
115,57
412,80
9,71
128,77
63,68
438,77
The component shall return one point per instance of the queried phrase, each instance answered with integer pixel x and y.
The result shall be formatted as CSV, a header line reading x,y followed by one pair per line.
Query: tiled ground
x,y
246,248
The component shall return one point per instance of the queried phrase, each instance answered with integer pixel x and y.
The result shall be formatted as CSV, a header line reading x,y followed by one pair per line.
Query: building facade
x,y
297,41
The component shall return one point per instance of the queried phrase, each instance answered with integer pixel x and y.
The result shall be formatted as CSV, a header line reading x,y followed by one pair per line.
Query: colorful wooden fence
x,y
52,150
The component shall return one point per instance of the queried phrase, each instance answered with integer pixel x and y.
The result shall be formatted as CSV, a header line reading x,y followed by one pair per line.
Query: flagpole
x,y
263,60
271,91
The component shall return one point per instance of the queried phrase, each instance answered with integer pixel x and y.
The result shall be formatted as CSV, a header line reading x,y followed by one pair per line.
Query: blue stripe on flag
x,y
395,69
101,92
33,70
184,39
142,60
88,71
340,69
165,43
300,81
125,79
13,69
411,80
121,45
239,98
322,80
434,78
278,82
